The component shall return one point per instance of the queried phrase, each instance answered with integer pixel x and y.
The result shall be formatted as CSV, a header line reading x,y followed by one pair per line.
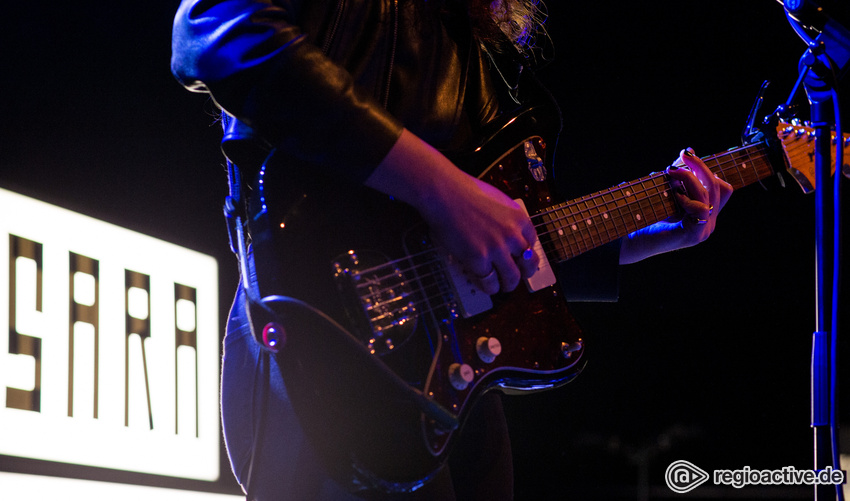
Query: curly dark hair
x,y
518,20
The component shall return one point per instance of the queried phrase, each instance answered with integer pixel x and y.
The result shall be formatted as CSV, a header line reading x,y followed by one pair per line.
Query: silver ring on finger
x,y
487,276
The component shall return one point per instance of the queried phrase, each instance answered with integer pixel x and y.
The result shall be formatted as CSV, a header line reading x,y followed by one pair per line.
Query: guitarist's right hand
x,y
486,231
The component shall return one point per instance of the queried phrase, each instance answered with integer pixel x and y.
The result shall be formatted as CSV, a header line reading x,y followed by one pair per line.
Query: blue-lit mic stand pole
x,y
822,120
820,66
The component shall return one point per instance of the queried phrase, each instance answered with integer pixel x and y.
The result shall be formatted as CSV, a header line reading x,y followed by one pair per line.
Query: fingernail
x,y
673,167
689,152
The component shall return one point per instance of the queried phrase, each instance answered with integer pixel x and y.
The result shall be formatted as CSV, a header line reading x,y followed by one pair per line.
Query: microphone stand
x,y
824,59
819,90
818,74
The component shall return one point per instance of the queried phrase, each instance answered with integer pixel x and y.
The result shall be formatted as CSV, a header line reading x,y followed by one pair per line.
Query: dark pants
x,y
284,467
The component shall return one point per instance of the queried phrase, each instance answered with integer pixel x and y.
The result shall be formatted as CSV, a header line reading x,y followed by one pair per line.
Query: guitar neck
x,y
582,224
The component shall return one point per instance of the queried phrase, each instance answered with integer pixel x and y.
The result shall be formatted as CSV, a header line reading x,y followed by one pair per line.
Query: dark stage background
x,y
706,355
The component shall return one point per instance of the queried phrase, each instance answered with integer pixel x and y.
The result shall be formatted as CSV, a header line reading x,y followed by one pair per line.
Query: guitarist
x,y
374,93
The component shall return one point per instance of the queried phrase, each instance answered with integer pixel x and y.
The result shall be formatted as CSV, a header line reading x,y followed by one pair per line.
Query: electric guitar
x,y
383,342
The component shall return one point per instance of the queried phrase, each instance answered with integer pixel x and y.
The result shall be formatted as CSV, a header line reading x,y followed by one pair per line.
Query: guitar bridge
x,y
383,305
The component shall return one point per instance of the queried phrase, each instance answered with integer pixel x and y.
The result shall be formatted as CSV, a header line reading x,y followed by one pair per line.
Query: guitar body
x,y
386,348
384,344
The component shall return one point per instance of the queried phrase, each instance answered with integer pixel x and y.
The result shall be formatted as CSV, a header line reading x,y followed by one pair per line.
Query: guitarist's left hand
x,y
701,196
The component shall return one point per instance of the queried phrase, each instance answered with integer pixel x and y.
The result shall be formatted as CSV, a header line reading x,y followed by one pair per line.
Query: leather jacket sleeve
x,y
262,68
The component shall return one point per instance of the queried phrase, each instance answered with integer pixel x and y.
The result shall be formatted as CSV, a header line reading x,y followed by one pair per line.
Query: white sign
x,y
110,358
39,488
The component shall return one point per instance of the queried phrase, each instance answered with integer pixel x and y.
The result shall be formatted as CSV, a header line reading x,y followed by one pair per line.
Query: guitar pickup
x,y
471,300
544,276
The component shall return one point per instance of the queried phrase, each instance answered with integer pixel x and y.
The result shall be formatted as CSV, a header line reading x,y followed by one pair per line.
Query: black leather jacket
x,y
331,83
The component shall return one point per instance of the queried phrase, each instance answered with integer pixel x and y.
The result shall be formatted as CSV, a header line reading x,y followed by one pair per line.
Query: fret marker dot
x,y
589,222
665,194
605,215
560,231
744,165
628,193
574,227
637,217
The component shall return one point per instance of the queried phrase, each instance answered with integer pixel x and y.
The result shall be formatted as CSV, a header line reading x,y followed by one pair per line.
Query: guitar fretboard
x,y
576,226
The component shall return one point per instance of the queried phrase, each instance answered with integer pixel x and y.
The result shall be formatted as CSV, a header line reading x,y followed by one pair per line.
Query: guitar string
x,y
639,197
395,261
427,300
390,269
419,281
416,283
569,204
632,184
723,164
580,220
752,176
721,167
413,277
420,277
428,307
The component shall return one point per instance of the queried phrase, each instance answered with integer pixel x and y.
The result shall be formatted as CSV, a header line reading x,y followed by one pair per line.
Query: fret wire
x,y
716,163
580,212
562,215
606,219
580,224
558,216
578,201
741,176
763,168
754,161
652,205
560,243
557,221
614,201
579,240
590,224
639,198
567,228
620,189
630,220
748,167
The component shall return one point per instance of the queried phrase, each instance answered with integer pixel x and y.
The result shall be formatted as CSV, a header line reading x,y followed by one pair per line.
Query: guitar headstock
x,y
798,143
